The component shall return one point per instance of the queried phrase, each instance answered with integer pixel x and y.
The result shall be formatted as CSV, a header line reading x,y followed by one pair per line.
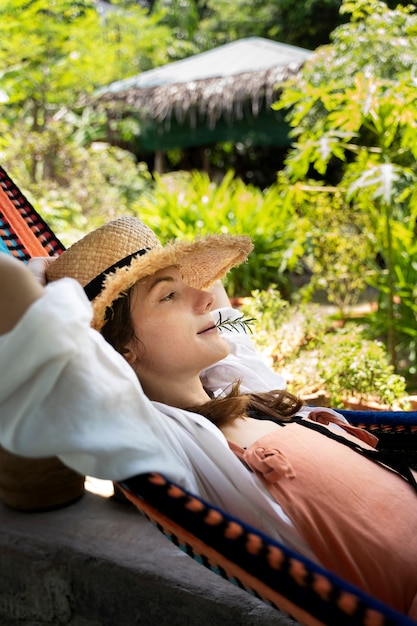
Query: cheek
x,y
155,339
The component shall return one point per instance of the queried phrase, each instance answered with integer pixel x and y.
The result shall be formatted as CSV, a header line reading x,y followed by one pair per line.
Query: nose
x,y
210,300
204,300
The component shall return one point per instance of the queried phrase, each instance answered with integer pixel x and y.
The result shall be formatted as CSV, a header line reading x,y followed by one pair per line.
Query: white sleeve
x,y
243,363
65,392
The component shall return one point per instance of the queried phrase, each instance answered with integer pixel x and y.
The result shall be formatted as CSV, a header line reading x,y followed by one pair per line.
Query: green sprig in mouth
x,y
240,323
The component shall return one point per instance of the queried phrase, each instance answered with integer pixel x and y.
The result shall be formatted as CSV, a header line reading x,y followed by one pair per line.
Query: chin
x,y
215,357
223,351
224,346
215,351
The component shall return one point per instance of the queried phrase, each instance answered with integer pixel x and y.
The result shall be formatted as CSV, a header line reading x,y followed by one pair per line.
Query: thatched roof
x,y
213,84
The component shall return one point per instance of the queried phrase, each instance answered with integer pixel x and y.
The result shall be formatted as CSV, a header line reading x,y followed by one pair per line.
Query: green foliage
x,y
402,315
55,54
339,244
353,366
269,309
209,23
357,94
79,187
185,205
40,47
183,19
132,40
354,117
236,20
303,344
305,24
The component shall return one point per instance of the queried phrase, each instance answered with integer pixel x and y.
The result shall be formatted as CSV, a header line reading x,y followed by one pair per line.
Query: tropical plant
x,y
354,115
339,244
190,204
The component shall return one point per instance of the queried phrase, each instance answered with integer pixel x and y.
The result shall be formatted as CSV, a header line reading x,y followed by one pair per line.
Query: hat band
x,y
95,286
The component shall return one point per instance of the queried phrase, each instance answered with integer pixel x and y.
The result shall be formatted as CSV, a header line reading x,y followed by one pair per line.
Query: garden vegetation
x,y
338,223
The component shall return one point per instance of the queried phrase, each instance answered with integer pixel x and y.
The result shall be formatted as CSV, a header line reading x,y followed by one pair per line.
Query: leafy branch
x,y
240,323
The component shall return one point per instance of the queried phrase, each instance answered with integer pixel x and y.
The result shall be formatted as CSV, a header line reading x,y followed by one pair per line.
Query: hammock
x,y
232,549
23,233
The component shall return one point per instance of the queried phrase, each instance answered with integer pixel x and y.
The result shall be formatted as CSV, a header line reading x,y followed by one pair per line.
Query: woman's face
x,y
177,335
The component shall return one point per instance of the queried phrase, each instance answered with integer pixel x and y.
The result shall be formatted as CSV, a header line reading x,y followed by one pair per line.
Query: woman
x,y
328,500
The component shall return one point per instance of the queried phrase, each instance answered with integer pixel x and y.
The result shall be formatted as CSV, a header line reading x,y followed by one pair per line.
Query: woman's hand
x,y
38,265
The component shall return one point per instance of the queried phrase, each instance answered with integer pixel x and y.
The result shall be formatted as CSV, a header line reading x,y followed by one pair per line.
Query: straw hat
x,y
111,259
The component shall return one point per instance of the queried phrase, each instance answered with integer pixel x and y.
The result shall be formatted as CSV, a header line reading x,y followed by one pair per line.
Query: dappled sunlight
x,y
103,488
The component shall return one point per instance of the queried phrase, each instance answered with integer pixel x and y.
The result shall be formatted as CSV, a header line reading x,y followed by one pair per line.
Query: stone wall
x,y
99,562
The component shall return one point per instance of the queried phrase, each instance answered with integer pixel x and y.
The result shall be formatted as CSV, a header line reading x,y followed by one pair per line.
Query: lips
x,y
206,329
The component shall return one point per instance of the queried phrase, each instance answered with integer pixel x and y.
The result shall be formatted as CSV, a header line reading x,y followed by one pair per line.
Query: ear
x,y
130,354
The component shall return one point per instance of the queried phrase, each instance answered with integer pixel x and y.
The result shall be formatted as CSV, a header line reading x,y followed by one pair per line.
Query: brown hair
x,y
118,328
277,404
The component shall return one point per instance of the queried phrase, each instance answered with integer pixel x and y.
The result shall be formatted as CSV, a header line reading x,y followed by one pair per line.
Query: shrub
x,y
314,355
77,188
350,365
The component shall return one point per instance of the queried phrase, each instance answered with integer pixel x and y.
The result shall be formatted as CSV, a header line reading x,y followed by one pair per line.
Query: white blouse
x,y
65,392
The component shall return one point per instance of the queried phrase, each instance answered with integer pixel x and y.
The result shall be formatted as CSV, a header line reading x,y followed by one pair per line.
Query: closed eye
x,y
170,296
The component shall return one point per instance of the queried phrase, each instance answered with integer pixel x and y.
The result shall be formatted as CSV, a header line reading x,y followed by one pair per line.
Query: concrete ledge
x,y
101,563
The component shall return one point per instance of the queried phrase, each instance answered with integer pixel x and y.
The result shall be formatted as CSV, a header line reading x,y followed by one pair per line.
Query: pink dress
x,y
359,519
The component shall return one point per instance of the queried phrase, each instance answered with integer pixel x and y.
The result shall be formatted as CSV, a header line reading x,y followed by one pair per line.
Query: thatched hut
x,y
224,94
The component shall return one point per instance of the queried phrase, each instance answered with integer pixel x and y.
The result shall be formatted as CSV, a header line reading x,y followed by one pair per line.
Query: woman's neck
x,y
180,394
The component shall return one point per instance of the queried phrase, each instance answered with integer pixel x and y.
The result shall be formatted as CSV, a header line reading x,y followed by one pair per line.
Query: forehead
x,y
167,274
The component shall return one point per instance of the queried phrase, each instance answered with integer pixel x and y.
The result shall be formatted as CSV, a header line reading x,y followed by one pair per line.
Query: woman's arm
x,y
65,392
18,289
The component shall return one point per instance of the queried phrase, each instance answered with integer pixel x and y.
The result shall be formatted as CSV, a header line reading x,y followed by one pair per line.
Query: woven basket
x,y
37,484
